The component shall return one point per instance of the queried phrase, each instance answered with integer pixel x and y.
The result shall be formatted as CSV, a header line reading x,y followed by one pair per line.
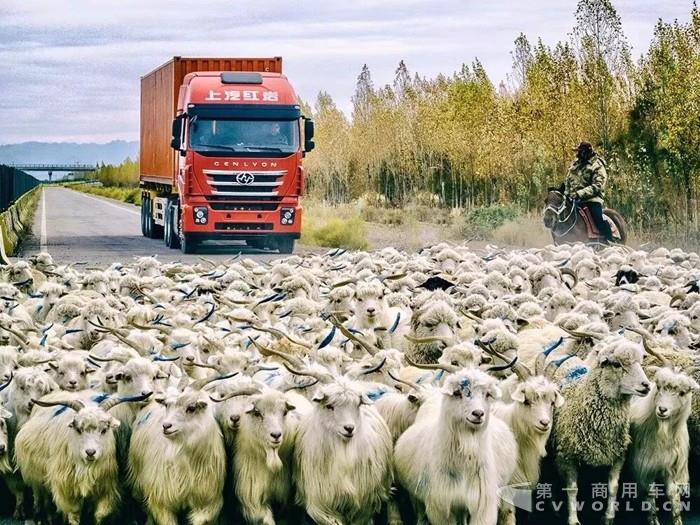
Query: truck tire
x,y
150,228
143,216
171,234
285,244
188,244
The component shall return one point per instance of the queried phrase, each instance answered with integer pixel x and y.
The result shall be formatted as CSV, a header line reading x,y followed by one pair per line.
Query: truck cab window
x,y
244,136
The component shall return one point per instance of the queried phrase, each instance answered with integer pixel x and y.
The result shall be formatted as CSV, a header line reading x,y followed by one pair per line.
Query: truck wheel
x,y
143,216
285,244
188,244
171,234
150,228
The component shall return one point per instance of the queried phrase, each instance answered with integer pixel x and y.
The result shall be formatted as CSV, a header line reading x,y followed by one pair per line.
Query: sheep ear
x,y
496,392
518,394
290,406
114,423
450,391
249,408
319,397
693,387
559,401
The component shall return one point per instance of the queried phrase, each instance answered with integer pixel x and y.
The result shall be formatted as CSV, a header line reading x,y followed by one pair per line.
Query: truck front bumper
x,y
200,218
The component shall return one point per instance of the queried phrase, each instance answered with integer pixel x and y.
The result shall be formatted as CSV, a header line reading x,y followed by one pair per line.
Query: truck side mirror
x,y
176,141
309,143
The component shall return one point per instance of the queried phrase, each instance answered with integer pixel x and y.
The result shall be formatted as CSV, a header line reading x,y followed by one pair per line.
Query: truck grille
x,y
230,183
244,226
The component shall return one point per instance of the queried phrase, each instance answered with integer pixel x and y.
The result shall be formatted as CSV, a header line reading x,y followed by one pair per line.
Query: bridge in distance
x,y
74,226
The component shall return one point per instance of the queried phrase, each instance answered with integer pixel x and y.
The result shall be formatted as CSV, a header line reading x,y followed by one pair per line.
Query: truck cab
x,y
239,140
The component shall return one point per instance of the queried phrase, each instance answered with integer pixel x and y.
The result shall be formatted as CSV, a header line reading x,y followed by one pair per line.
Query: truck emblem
x,y
245,178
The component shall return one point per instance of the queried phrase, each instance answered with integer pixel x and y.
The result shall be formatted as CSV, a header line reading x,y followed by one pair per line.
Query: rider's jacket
x,y
586,180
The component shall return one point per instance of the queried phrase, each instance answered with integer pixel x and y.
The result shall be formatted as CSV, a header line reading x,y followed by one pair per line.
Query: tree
x,y
604,57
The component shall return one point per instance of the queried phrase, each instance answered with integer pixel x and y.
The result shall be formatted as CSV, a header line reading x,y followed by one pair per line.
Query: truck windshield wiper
x,y
221,146
263,148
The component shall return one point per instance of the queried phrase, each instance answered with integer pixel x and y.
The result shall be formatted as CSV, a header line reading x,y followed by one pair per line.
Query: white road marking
x,y
43,237
104,201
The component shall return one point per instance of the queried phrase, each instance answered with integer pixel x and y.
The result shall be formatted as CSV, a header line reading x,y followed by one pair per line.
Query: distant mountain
x,y
68,152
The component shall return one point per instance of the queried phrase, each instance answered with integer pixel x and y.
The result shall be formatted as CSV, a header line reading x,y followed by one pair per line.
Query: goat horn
x,y
423,340
569,271
281,334
247,391
111,402
269,351
120,359
292,386
646,341
306,372
581,335
371,370
437,366
4,386
73,404
201,383
353,337
540,363
520,369
204,365
415,386
552,367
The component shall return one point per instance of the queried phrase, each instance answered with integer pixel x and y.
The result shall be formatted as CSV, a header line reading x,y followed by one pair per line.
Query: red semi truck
x,y
222,146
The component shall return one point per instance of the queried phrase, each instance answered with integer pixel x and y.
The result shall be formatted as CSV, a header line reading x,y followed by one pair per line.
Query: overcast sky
x,y
71,68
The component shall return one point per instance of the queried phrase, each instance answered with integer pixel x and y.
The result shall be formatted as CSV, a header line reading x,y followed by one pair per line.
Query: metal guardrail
x,y
53,167
13,184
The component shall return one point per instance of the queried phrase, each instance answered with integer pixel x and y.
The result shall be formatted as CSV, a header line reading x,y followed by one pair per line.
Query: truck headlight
x,y
201,214
287,216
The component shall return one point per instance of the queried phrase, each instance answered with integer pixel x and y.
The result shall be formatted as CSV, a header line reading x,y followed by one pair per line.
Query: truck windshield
x,y
244,136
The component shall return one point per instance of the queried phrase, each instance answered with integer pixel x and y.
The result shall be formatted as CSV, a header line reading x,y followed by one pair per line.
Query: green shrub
x,y
336,233
128,195
482,222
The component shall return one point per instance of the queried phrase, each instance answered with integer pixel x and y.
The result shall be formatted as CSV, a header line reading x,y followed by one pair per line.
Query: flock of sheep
x,y
325,385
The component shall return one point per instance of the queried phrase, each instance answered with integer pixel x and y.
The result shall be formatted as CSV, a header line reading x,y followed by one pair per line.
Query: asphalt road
x,y
74,226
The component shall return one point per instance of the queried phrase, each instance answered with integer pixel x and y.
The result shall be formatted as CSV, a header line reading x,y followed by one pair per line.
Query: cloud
x,y
72,67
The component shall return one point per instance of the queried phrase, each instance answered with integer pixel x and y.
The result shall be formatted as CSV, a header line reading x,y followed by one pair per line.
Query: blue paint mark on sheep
x,y
100,397
374,395
576,373
59,411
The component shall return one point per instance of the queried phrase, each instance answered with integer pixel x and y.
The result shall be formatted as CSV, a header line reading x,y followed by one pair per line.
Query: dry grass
x,y
525,232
